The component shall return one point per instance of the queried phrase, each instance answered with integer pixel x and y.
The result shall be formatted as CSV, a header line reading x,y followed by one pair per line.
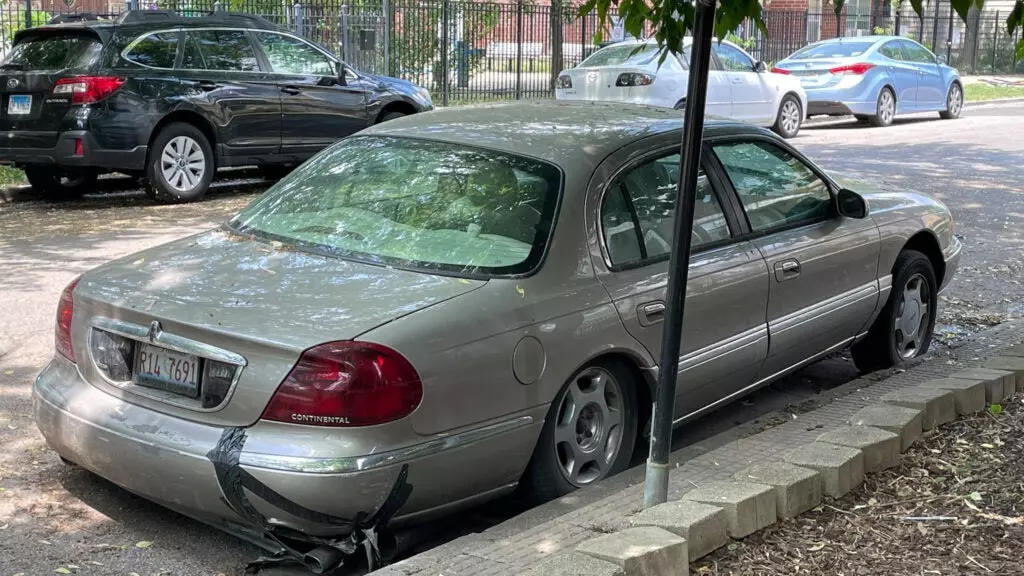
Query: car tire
x,y
58,185
789,118
572,432
954,102
914,293
181,164
390,116
885,108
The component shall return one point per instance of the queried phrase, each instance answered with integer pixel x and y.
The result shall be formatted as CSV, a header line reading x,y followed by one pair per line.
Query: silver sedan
x,y
444,307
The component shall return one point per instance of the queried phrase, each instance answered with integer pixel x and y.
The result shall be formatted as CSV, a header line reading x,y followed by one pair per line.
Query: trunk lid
x,y
39,58
598,83
248,298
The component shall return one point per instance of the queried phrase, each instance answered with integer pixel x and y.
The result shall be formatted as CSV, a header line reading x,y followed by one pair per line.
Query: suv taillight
x,y
87,89
65,311
347,384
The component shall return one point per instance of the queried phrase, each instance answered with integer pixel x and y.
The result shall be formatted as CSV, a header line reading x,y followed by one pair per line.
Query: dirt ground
x,y
954,506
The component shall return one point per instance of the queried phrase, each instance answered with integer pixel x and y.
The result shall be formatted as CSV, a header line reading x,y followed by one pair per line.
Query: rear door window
x,y
46,52
228,50
157,50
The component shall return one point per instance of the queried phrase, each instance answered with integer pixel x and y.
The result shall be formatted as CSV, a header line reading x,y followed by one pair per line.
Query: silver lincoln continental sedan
x,y
447,306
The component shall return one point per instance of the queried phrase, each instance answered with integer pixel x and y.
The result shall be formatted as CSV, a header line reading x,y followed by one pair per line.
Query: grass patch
x,y
10,176
979,92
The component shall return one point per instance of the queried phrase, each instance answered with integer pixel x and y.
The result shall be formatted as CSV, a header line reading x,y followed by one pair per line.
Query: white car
x,y
738,87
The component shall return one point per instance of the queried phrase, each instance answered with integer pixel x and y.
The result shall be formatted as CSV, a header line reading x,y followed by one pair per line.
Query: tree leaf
x,y
817,546
62,570
143,544
976,496
995,409
962,7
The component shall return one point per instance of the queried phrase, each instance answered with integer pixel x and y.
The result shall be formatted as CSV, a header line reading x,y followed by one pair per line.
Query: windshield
x,y
638,54
413,203
832,50
53,52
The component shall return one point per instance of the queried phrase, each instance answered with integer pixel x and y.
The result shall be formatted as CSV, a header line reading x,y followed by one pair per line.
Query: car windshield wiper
x,y
12,66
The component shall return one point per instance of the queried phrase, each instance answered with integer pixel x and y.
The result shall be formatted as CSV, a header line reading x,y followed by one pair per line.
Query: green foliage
x,y
995,409
672,20
748,44
14,21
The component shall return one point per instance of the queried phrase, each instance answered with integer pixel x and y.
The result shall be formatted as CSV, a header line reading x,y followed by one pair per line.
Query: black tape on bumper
x,y
234,481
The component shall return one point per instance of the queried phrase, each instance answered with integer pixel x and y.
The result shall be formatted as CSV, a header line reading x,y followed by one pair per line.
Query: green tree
x,y
672,20
14,21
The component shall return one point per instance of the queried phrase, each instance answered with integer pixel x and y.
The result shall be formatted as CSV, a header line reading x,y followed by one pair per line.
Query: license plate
x,y
19,105
167,370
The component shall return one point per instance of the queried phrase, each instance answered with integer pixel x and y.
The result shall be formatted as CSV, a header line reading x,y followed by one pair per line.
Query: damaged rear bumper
x,y
181,464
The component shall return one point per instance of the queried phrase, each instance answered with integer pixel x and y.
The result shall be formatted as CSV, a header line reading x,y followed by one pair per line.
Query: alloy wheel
x,y
182,163
913,315
790,117
886,106
955,102
589,426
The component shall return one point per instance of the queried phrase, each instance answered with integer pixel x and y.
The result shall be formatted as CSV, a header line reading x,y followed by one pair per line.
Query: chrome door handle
x,y
652,313
786,270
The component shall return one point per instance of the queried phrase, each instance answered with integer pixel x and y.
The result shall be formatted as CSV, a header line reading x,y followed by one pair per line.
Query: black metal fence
x,y
466,50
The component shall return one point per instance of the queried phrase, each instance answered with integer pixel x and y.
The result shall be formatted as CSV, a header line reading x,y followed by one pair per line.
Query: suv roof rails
x,y
81,17
236,18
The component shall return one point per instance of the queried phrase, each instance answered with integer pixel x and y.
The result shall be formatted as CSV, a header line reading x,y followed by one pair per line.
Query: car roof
x,y
164,18
872,39
570,134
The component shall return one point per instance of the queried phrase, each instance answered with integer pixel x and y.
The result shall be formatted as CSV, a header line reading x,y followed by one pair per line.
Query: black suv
x,y
172,98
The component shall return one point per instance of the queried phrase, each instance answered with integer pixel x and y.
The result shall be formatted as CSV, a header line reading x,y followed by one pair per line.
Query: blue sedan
x,y
875,78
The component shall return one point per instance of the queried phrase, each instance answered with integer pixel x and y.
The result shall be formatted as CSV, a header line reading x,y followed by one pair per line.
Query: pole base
x,y
655,484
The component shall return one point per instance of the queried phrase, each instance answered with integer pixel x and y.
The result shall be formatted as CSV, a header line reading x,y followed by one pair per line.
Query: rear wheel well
x,y
645,386
186,117
891,91
398,106
925,243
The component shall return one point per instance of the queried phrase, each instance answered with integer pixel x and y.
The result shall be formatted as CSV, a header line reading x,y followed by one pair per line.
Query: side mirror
x,y
851,204
760,67
941,59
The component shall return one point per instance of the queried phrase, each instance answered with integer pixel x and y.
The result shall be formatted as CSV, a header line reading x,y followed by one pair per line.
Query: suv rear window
x,y
414,204
156,50
46,52
637,54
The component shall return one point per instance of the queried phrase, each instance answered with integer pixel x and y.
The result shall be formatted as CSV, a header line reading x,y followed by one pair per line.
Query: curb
x,y
832,465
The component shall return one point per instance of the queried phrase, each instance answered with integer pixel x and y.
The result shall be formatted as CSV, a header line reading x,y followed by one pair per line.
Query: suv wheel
x,y
60,185
180,167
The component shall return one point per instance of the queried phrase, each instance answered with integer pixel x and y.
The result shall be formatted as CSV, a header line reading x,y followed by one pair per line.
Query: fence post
x,y
445,25
935,28
346,55
519,49
28,13
297,7
949,37
995,41
386,14
217,6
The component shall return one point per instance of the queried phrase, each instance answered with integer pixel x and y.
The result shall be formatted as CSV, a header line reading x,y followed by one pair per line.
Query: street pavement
x,y
54,517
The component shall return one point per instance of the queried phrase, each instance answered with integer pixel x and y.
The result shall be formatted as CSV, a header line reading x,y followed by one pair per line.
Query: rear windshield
x,y
637,54
413,204
53,52
832,50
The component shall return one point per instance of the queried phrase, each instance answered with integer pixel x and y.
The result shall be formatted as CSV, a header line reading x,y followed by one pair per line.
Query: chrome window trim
x,y
170,341
351,464
130,46
613,180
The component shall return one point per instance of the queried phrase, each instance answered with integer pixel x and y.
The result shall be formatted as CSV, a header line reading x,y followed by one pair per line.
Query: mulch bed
x,y
954,506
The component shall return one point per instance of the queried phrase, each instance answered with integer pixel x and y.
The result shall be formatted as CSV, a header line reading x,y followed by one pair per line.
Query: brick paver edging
x,y
748,484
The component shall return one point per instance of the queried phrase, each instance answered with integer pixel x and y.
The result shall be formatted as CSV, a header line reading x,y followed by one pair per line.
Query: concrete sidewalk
x,y
545,534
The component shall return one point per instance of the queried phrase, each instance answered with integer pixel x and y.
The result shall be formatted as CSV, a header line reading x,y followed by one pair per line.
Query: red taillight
x,y
79,148
65,311
777,70
347,384
87,89
857,69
